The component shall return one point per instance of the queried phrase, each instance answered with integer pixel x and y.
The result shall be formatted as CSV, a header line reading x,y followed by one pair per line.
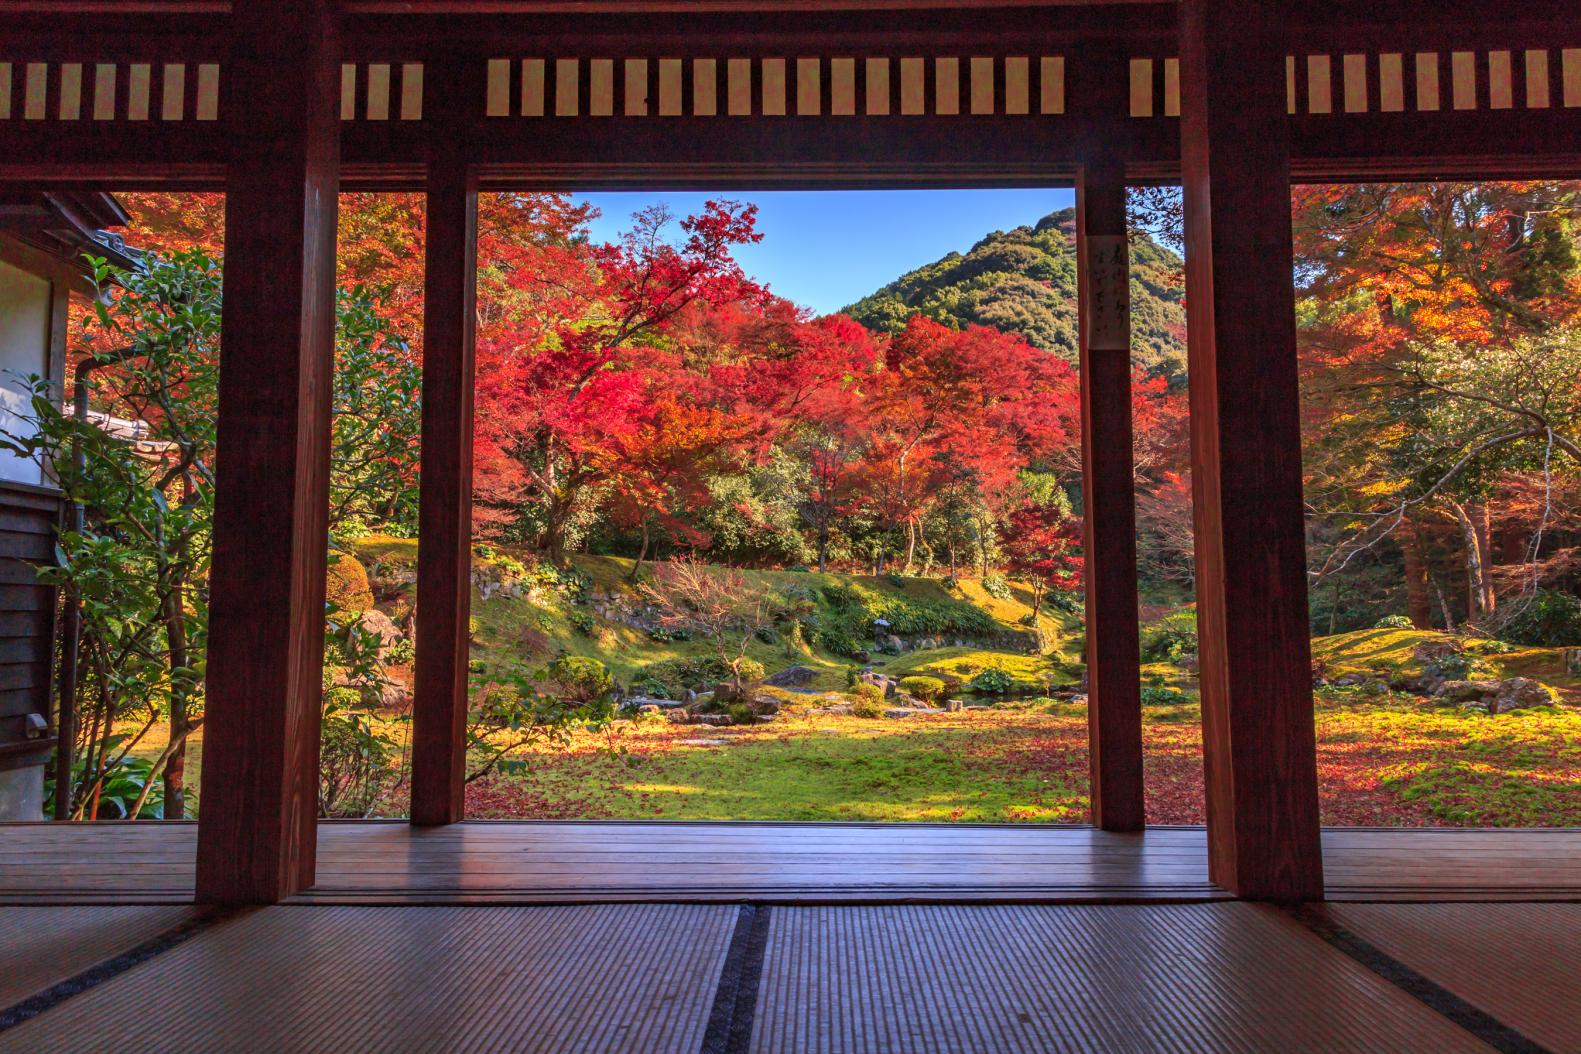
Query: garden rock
x,y
716,720
642,701
879,680
1572,660
838,710
1497,697
1518,693
649,708
394,695
790,677
679,717
764,704
1466,691
383,627
1434,650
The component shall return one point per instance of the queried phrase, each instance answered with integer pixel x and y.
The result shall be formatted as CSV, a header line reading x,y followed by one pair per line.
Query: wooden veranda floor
x,y
535,862
847,939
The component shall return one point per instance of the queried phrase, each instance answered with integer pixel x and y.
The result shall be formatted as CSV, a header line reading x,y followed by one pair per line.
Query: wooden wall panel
x,y
27,617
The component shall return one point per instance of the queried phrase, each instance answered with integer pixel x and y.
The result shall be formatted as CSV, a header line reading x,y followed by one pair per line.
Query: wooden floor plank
x,y
1521,963
533,862
637,977
1221,977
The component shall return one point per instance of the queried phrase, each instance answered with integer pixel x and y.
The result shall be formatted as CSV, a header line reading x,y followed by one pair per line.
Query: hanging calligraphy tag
x,y
1109,293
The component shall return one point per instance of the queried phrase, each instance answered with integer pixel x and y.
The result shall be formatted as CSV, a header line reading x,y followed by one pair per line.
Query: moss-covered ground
x,y
1386,757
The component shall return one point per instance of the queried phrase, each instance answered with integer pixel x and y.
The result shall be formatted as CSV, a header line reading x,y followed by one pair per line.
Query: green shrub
x,y
928,689
1154,695
346,584
766,635
869,701
675,676
581,621
576,678
741,714
476,666
1548,620
846,626
402,653
662,635
750,671
895,579
1393,622
993,682
1066,601
1171,638
996,587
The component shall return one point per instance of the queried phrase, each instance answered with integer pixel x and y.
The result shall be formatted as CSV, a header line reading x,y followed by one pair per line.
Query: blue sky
x,y
824,249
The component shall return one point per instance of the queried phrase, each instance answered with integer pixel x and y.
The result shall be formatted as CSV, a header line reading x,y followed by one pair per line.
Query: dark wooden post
x,y
444,551
1114,708
256,835
1258,738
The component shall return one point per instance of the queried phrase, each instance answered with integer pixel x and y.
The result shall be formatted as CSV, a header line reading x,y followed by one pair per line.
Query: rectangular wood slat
x,y
501,861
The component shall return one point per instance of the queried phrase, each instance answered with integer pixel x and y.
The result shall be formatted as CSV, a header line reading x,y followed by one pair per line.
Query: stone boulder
x,y
791,677
393,695
879,680
764,704
1466,691
1435,650
1497,697
1518,693
383,627
1572,660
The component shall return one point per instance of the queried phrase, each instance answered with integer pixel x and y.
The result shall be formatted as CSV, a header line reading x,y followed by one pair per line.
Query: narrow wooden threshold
x,y
506,862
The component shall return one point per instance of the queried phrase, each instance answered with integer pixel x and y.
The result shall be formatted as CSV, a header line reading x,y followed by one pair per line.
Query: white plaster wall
x,y
24,350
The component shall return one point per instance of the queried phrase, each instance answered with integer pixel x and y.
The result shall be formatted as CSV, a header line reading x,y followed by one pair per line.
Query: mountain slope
x,y
1024,281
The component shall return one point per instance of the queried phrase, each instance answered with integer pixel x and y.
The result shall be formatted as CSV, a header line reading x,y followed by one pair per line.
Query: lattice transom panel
x,y
109,91
877,86
1394,82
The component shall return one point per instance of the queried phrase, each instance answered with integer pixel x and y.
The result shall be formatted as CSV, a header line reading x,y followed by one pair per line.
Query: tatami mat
x,y
41,947
287,979
1520,963
1201,977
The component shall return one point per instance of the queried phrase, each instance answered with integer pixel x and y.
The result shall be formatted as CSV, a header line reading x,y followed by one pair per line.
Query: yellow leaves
x,y
1382,488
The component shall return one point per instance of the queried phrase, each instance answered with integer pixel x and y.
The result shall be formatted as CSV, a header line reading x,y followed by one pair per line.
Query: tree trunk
x,y
176,767
911,543
636,568
1477,590
1418,605
1482,522
1443,604
823,546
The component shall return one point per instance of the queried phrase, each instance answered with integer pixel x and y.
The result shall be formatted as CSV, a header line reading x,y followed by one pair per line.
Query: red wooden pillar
x,y
1258,739
444,552
1114,708
256,834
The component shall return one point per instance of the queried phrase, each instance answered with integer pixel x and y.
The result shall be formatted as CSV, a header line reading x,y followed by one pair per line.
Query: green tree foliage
x,y
142,468
1024,281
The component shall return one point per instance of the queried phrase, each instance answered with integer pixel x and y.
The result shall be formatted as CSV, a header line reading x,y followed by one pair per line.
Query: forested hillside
x,y
1024,281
